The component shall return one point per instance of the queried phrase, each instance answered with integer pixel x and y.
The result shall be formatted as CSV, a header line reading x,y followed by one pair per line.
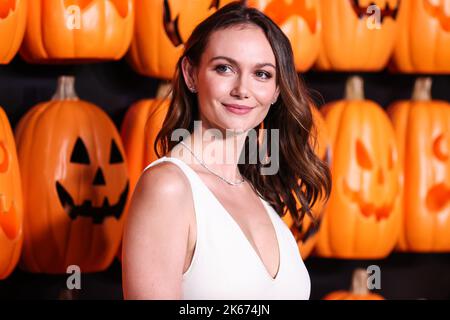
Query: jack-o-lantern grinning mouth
x,y
386,12
98,214
6,8
438,13
171,26
366,208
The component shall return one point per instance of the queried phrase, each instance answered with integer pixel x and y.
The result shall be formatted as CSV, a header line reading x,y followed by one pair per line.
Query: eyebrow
x,y
259,65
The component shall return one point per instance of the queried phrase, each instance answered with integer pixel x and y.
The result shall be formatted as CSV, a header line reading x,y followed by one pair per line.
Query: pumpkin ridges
x,y
34,258
353,220
39,43
347,42
58,227
10,249
422,45
48,39
107,254
13,38
415,123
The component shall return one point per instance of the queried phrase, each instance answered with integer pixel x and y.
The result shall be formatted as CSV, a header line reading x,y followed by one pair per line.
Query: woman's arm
x,y
156,234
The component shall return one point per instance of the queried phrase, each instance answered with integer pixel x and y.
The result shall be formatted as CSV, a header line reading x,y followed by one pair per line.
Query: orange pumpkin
x,y
306,236
422,127
78,30
423,44
300,21
350,39
75,184
358,290
161,28
11,200
362,217
13,17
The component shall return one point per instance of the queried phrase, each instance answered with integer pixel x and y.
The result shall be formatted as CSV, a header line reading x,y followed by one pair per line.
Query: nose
x,y
240,89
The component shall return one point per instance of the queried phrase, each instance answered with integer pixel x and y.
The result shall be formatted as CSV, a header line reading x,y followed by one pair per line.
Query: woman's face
x,y
237,68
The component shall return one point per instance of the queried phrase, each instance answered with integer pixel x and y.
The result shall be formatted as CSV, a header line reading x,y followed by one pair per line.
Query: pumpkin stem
x,y
65,89
359,282
422,89
164,90
354,88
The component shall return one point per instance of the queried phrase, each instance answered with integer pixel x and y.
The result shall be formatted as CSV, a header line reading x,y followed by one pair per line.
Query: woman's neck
x,y
219,151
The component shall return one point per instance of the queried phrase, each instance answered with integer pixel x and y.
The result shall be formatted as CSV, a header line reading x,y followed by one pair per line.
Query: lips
x,y
238,108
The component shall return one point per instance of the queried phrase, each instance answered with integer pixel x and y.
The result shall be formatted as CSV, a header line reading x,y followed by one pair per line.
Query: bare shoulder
x,y
165,178
156,234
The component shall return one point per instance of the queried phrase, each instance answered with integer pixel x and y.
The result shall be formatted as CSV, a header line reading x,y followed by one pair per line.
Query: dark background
x,y
114,86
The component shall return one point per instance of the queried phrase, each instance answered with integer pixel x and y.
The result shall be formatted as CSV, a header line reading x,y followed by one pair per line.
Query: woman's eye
x,y
265,74
222,68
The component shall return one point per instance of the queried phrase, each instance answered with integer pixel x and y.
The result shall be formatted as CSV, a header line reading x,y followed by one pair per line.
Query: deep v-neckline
x,y
236,224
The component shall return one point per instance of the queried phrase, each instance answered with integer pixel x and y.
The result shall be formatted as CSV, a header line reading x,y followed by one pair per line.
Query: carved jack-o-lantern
x,y
13,17
362,217
161,28
11,201
422,127
300,21
78,30
306,234
75,184
353,39
423,44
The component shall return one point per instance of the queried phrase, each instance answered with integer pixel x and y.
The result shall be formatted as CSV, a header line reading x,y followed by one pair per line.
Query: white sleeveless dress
x,y
225,265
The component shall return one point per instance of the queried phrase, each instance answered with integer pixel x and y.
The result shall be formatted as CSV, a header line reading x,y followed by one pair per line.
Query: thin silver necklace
x,y
211,171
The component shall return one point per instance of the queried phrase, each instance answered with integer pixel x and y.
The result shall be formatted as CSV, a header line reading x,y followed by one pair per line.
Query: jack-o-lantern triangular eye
x,y
115,155
362,155
80,153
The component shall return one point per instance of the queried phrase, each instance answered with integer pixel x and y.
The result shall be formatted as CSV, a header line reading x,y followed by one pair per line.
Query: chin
x,y
239,127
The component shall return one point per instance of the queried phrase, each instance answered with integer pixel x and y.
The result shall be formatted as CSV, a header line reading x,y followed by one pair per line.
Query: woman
x,y
204,220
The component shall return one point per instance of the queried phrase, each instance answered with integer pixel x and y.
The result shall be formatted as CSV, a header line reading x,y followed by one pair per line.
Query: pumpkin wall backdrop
x,y
84,90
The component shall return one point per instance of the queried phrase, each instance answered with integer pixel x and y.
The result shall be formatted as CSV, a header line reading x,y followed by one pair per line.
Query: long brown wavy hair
x,y
302,175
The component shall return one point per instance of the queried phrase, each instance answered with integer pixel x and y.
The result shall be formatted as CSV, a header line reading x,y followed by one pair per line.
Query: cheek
x,y
264,93
214,85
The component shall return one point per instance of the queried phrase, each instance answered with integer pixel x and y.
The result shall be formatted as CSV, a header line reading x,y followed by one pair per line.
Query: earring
x,y
193,89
